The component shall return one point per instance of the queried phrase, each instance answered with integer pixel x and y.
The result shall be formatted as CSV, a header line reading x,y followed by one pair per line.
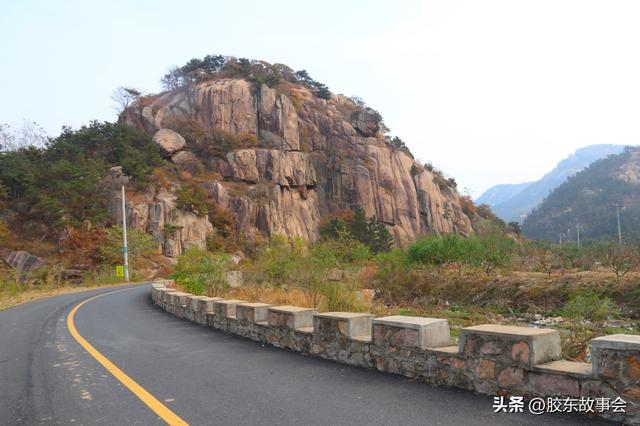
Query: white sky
x,y
489,91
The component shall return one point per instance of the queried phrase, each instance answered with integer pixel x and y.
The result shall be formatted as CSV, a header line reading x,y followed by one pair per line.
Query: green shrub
x,y
393,278
488,251
444,250
201,272
211,143
428,251
339,297
312,271
494,251
106,274
191,198
45,277
278,261
591,306
373,233
342,251
139,242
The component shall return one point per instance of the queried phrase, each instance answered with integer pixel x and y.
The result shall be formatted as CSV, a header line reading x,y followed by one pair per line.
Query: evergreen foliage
x,y
139,244
58,184
370,232
589,200
257,72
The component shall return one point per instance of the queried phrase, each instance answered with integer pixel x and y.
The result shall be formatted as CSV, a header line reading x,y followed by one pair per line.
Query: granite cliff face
x,y
314,158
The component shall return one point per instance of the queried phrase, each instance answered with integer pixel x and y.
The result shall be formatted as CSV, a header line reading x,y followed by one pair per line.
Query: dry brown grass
x,y
272,295
9,300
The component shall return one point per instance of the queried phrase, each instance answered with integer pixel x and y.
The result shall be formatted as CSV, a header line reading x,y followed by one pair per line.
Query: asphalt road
x,y
202,375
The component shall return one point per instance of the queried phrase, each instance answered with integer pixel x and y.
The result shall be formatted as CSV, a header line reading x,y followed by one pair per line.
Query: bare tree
x,y
173,79
29,133
620,259
125,96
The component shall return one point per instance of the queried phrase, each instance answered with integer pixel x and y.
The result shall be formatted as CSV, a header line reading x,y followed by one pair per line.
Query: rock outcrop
x,y
156,213
169,141
315,158
22,261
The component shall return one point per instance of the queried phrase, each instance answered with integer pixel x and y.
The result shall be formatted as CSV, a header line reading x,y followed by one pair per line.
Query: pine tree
x,y
379,239
358,225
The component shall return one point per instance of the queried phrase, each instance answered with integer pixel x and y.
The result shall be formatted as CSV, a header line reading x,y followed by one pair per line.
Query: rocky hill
x,y
282,160
589,200
512,202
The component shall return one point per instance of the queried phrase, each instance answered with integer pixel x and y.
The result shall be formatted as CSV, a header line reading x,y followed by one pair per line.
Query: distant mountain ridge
x,y
498,194
512,202
588,200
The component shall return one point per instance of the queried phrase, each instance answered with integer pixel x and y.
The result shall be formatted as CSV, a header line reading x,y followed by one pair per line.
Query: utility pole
x,y
125,248
578,234
619,230
561,239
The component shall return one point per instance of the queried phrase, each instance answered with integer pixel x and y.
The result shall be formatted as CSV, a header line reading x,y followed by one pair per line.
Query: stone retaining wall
x,y
489,359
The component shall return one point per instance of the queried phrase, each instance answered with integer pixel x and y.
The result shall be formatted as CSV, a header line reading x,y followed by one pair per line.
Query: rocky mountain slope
x,y
512,202
589,199
303,159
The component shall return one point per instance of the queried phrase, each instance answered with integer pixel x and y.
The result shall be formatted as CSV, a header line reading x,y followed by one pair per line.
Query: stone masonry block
x,y
178,298
617,357
522,346
164,294
171,300
347,324
407,331
183,298
192,301
155,290
292,317
225,308
206,304
252,312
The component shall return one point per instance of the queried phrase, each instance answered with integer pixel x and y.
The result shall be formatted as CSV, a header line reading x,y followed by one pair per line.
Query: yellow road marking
x,y
156,406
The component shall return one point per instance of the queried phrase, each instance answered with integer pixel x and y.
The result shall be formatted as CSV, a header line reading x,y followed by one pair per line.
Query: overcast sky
x,y
489,91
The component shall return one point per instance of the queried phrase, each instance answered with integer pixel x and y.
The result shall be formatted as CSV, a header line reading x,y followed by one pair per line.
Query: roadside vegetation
x,y
493,277
17,288
53,204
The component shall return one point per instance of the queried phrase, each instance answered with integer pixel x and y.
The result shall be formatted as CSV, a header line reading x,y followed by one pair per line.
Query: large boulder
x,y
184,157
366,122
22,261
187,160
169,141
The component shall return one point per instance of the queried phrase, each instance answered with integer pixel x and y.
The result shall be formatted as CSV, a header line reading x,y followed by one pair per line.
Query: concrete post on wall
x,y
163,296
490,359
225,314
342,336
192,307
500,355
205,315
616,363
291,327
399,339
252,320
